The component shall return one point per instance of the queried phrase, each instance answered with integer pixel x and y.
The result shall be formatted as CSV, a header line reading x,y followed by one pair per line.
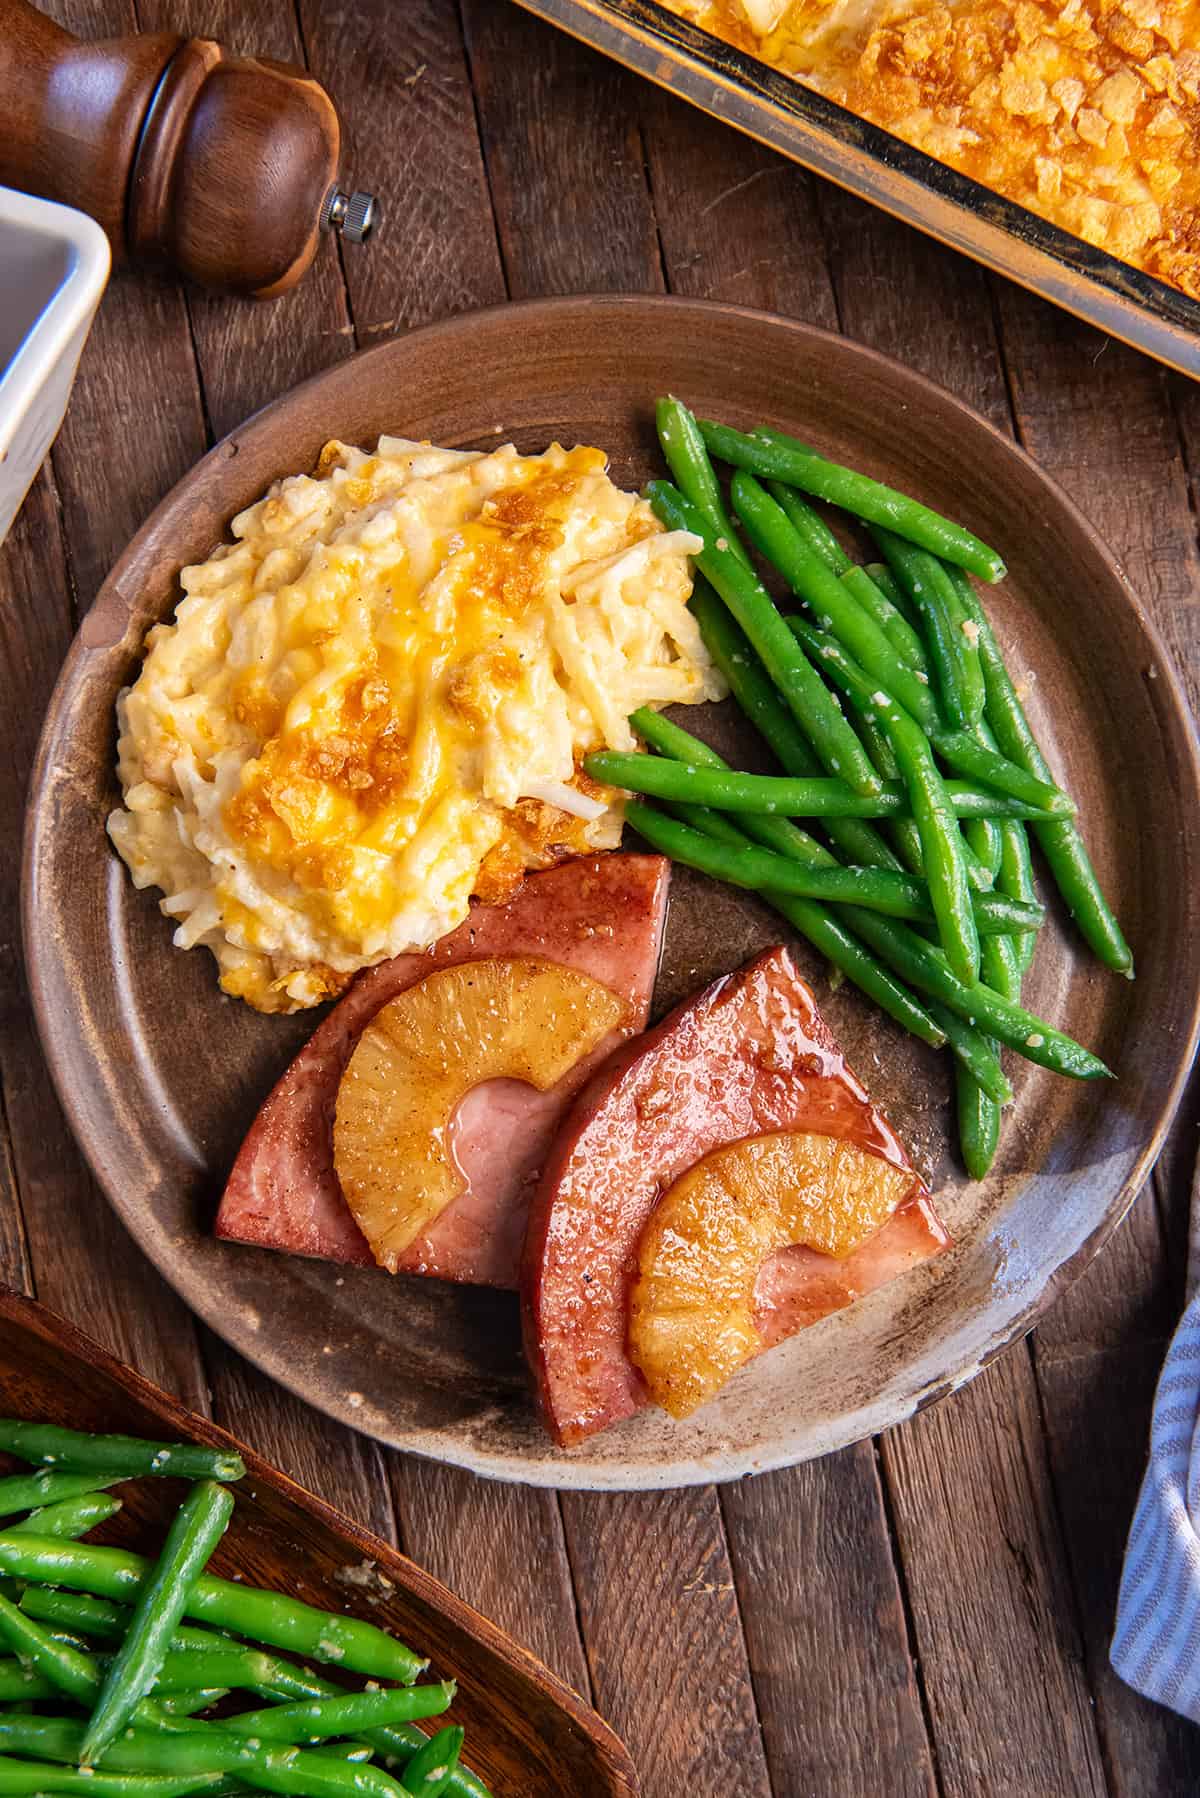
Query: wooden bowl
x,y
160,1075
527,1733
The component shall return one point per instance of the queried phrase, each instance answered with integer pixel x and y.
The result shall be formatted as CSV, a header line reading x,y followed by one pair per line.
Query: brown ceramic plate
x,y
161,1075
527,1733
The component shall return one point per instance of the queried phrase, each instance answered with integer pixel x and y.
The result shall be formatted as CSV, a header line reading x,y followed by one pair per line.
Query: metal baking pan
x,y
780,111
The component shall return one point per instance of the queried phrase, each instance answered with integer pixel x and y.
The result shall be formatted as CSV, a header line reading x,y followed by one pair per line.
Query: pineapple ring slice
x,y
498,1019
691,1309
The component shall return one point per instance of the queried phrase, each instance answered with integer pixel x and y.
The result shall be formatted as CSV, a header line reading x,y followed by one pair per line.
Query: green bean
x,y
70,1517
826,934
831,600
687,458
347,1714
28,1779
775,457
978,1122
891,620
779,795
666,836
967,639
1060,842
928,586
429,1770
809,699
187,1703
19,1682
202,1750
983,835
858,840
942,854
811,527
240,1668
927,969
80,1611
197,1527
100,1617
1015,877
25,1491
879,889
69,1669
891,589
268,1617
989,769
116,1457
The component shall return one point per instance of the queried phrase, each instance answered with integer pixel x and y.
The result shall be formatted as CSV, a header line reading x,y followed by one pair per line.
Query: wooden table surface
x,y
927,1613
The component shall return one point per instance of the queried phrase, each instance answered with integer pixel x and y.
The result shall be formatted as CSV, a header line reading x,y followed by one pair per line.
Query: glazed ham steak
x,y
601,916
750,1058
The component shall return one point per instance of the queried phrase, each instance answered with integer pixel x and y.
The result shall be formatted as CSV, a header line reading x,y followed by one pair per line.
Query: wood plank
x,y
900,293
742,225
994,1610
338,1465
826,1630
737,223
1100,419
501,1548
564,158
660,1619
408,122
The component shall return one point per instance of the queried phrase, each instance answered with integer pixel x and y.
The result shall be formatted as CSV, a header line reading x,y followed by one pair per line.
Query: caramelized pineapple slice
x,y
502,1019
691,1323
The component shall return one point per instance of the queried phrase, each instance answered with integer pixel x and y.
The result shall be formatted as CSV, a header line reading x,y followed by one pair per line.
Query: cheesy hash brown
x,y
372,703
1086,111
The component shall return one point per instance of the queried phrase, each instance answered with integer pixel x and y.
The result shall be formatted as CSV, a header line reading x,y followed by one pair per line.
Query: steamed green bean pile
x,y
104,1677
899,735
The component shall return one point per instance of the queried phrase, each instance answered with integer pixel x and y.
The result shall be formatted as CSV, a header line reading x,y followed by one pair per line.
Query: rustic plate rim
x,y
683,1471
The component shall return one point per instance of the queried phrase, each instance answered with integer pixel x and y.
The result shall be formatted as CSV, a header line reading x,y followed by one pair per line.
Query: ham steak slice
x,y
602,915
748,1056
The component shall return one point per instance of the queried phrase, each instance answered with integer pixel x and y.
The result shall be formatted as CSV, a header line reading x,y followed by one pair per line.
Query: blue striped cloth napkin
x,y
1156,1643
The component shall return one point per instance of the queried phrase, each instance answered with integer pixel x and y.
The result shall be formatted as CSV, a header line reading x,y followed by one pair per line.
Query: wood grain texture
x,y
401,85
551,114
992,1603
735,221
659,1611
1101,419
826,1630
564,159
500,1546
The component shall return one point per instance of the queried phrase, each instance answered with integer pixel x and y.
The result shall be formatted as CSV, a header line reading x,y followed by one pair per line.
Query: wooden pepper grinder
x,y
225,166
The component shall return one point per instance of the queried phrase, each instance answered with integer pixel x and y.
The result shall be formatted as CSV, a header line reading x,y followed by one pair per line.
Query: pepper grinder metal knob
x,y
353,216
224,166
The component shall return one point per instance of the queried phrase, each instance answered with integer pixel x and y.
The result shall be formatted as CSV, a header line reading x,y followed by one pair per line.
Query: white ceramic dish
x,y
54,263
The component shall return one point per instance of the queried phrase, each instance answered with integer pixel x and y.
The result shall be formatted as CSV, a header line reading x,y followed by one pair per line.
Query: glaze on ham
x,y
602,915
750,1055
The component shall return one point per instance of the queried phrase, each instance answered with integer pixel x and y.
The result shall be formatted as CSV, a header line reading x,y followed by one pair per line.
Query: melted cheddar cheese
x,y
1086,111
371,703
